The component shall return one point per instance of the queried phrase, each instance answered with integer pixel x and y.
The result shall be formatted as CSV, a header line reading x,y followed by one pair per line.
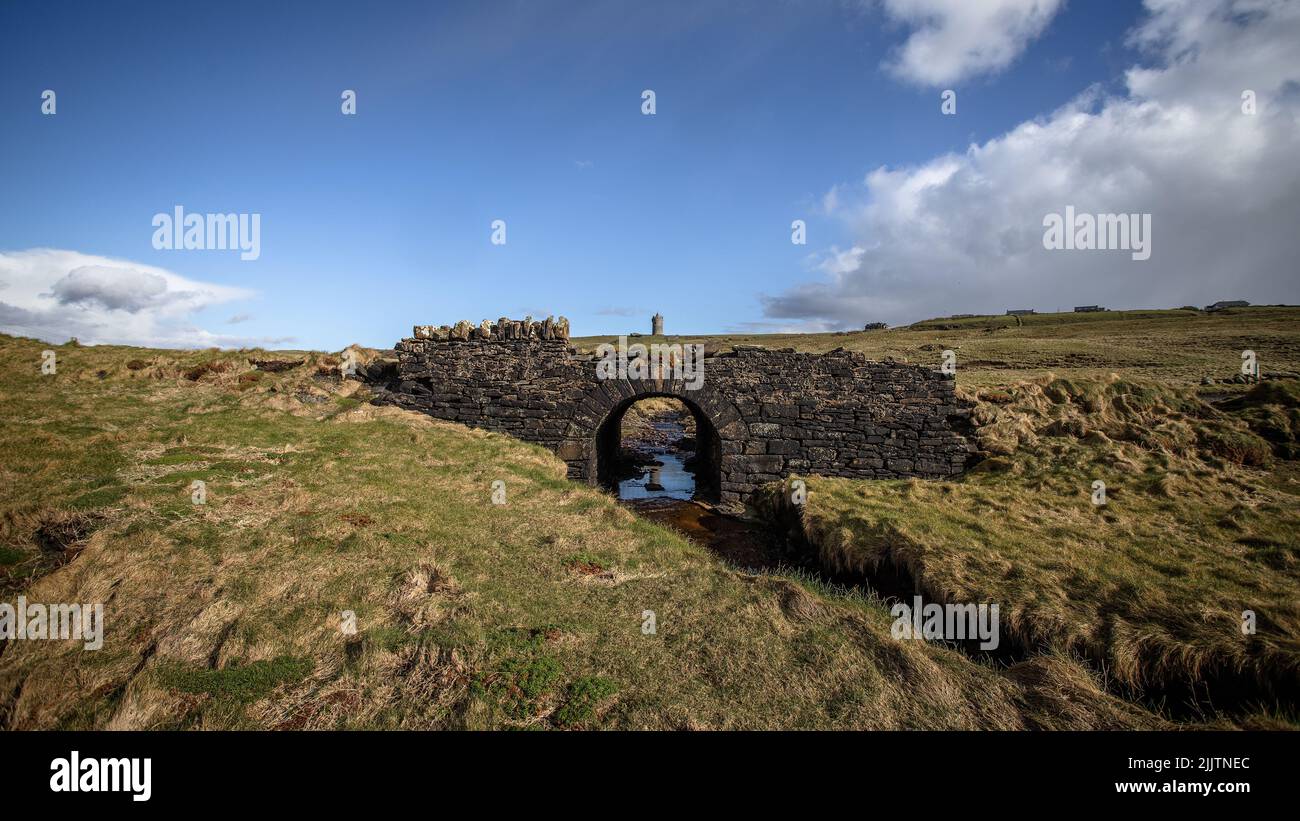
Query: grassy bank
x,y
1200,523
528,614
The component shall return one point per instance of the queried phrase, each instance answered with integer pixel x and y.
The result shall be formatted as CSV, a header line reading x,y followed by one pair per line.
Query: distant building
x,y
1228,303
657,325
874,326
1088,309
1020,311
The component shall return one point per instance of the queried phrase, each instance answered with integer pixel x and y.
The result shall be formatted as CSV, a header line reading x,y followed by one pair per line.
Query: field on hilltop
x,y
1173,347
348,567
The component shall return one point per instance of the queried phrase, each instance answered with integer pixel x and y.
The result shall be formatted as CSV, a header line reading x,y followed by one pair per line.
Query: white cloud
x,y
962,233
838,263
54,294
811,327
125,289
956,39
831,200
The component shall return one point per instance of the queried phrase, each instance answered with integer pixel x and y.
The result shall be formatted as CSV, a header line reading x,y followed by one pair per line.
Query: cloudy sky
x,y
828,112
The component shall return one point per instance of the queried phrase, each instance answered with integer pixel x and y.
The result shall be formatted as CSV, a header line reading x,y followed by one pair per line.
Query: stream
x,y
664,492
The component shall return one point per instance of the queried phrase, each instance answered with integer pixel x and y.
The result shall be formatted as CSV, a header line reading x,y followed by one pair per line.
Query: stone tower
x,y
657,325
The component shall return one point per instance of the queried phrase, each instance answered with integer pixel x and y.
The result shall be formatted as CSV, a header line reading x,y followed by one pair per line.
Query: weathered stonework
x,y
761,414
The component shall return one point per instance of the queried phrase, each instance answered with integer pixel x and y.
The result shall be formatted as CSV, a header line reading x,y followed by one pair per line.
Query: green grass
x,y
520,686
238,682
468,614
583,698
585,559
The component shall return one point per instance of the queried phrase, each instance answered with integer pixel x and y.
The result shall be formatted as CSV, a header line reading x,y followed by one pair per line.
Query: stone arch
x,y
708,448
720,431
776,412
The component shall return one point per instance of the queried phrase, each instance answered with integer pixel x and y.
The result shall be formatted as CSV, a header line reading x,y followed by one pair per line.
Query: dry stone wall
x,y
770,413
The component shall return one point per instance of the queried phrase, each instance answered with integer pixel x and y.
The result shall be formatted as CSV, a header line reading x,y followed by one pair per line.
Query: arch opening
x,y
665,429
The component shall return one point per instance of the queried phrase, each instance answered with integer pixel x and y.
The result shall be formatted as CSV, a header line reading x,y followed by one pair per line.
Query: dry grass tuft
x,y
423,596
797,603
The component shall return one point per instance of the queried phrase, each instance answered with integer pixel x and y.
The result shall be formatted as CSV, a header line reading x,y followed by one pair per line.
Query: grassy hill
x,y
533,613
1172,347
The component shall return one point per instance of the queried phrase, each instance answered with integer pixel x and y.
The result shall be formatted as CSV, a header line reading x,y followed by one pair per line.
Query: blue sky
x,y
528,112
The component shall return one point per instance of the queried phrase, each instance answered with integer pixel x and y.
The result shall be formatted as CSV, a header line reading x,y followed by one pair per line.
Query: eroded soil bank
x,y
1218,691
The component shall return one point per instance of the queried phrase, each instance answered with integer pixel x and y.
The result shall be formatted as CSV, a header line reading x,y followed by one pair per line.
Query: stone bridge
x,y
760,414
